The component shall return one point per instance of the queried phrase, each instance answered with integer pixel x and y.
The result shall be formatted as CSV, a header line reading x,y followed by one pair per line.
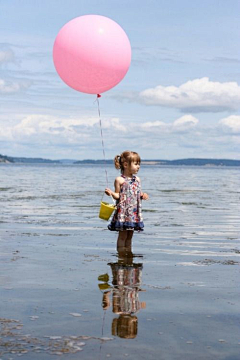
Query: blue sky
x,y
179,99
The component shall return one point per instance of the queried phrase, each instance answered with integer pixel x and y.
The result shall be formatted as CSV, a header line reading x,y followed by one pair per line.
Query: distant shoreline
x,y
180,162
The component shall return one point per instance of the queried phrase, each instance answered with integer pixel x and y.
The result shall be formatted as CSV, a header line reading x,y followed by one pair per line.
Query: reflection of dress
x,y
126,281
128,215
125,295
126,275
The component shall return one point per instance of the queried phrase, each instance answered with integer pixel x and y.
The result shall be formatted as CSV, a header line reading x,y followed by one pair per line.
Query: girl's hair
x,y
126,156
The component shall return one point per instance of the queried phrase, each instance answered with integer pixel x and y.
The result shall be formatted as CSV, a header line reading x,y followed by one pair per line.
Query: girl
x,y
128,216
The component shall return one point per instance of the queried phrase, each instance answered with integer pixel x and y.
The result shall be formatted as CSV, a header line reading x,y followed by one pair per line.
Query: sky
x,y
179,99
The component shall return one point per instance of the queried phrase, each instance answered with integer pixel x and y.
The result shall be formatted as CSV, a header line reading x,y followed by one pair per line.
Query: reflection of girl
x,y
126,281
128,215
125,295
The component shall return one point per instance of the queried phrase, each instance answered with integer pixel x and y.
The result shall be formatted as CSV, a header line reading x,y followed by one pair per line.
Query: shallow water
x,y
66,292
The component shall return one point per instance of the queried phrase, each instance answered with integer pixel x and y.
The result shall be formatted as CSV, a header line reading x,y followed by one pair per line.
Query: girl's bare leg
x,y
122,237
128,242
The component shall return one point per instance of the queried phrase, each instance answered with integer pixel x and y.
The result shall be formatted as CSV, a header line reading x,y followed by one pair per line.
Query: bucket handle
x,y
114,203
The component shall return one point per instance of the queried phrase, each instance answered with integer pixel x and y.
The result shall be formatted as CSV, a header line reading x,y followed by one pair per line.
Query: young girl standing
x,y
128,215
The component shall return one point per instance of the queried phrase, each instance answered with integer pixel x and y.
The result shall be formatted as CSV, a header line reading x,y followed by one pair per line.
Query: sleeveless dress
x,y
128,215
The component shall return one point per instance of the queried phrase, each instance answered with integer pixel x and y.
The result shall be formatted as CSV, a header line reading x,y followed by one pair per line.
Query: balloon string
x,y
103,147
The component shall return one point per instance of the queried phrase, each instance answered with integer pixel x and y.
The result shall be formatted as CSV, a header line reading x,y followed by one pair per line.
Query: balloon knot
x,y
98,95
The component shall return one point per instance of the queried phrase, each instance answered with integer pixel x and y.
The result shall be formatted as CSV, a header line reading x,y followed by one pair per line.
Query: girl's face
x,y
134,167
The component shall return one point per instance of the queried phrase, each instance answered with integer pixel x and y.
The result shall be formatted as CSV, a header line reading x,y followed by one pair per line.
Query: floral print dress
x,y
128,215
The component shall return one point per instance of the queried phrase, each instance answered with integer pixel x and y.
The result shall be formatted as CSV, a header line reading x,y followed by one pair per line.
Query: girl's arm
x,y
117,184
144,196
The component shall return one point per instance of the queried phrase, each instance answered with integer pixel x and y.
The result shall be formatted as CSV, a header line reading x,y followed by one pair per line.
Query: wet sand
x,y
50,295
65,292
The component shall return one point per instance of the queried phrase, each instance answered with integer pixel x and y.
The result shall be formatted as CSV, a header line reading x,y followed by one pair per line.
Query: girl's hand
x,y
144,196
108,192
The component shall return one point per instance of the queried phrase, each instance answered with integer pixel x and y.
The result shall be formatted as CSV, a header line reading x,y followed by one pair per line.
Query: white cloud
x,y
43,125
114,123
11,87
231,123
153,124
49,136
199,95
41,128
183,124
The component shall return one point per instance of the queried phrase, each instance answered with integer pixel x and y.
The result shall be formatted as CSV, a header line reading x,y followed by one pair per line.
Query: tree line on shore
x,y
183,162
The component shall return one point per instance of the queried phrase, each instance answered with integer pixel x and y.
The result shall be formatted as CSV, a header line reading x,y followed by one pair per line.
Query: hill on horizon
x,y
186,162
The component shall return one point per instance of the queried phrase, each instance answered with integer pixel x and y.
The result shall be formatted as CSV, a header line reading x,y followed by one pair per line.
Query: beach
x,y
66,292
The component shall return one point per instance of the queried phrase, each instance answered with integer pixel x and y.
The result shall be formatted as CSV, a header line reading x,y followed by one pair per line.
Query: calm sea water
x,y
62,282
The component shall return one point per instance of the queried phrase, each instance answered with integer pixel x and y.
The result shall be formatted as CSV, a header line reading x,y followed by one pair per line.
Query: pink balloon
x,y
92,54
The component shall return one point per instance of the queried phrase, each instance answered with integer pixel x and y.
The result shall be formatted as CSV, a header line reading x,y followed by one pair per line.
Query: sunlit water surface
x,y
66,292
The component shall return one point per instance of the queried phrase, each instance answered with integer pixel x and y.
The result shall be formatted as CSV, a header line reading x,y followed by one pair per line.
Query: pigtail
x,y
117,162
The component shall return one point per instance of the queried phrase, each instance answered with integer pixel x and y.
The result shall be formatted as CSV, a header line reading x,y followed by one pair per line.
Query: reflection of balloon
x,y
92,54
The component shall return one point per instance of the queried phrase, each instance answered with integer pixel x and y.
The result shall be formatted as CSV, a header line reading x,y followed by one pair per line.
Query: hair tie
x,y
119,159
